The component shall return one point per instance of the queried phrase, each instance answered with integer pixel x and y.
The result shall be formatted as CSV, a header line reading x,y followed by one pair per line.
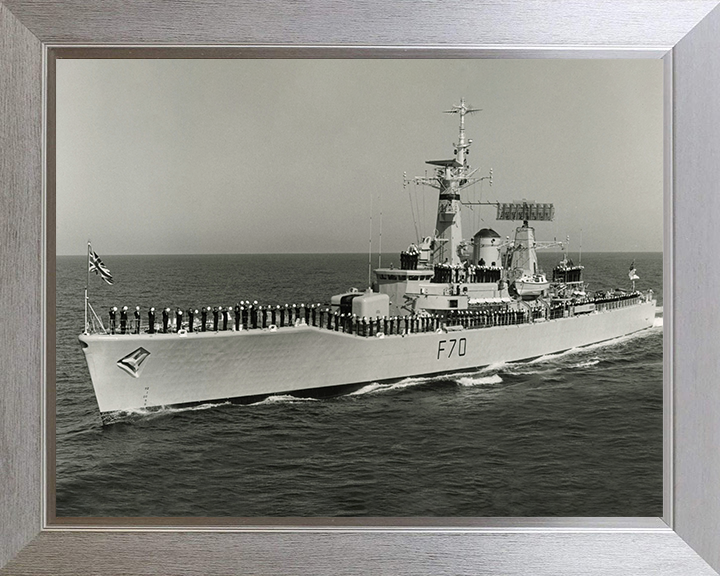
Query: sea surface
x,y
572,434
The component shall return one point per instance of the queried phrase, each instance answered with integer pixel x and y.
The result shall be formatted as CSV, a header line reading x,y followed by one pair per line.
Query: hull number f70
x,y
454,346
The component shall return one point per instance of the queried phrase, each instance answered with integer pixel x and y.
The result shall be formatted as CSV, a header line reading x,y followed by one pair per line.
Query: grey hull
x,y
149,370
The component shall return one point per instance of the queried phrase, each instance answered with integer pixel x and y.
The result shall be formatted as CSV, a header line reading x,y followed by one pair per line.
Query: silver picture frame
x,y
685,541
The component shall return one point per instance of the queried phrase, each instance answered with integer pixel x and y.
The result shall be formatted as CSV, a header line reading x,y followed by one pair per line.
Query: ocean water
x,y
572,434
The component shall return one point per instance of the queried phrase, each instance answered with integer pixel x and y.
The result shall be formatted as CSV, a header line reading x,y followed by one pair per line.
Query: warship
x,y
454,304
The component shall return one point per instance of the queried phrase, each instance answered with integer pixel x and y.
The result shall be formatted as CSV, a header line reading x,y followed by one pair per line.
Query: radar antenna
x,y
455,169
462,109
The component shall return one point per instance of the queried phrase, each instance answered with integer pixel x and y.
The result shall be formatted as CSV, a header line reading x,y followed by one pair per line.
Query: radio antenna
x,y
370,246
380,239
580,252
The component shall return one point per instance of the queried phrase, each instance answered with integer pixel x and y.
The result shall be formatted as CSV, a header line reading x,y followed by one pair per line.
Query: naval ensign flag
x,y
96,265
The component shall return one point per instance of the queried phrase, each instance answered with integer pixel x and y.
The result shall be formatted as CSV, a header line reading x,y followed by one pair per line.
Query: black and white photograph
x,y
358,288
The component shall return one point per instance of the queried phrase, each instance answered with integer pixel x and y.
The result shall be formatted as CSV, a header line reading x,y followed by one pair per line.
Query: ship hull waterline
x,y
197,367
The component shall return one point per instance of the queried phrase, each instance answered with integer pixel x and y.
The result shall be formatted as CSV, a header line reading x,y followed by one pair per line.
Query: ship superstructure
x,y
448,272
454,304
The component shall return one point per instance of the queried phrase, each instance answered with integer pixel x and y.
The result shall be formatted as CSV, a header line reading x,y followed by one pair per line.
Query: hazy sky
x,y
272,156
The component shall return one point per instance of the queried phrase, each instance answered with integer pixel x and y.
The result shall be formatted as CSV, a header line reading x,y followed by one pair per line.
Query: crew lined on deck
x,y
446,273
113,312
409,258
248,315
123,319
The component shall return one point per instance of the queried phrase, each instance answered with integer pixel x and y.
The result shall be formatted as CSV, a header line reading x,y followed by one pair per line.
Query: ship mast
x,y
451,176
462,144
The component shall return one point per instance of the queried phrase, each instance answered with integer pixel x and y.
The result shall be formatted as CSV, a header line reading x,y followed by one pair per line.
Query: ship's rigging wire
x,y
476,198
418,192
412,210
472,208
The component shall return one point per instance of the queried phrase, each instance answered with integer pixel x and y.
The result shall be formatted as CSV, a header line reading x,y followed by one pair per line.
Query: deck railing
x,y
259,317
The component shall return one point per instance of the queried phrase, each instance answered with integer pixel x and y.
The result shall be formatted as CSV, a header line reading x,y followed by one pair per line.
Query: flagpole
x,y
87,282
